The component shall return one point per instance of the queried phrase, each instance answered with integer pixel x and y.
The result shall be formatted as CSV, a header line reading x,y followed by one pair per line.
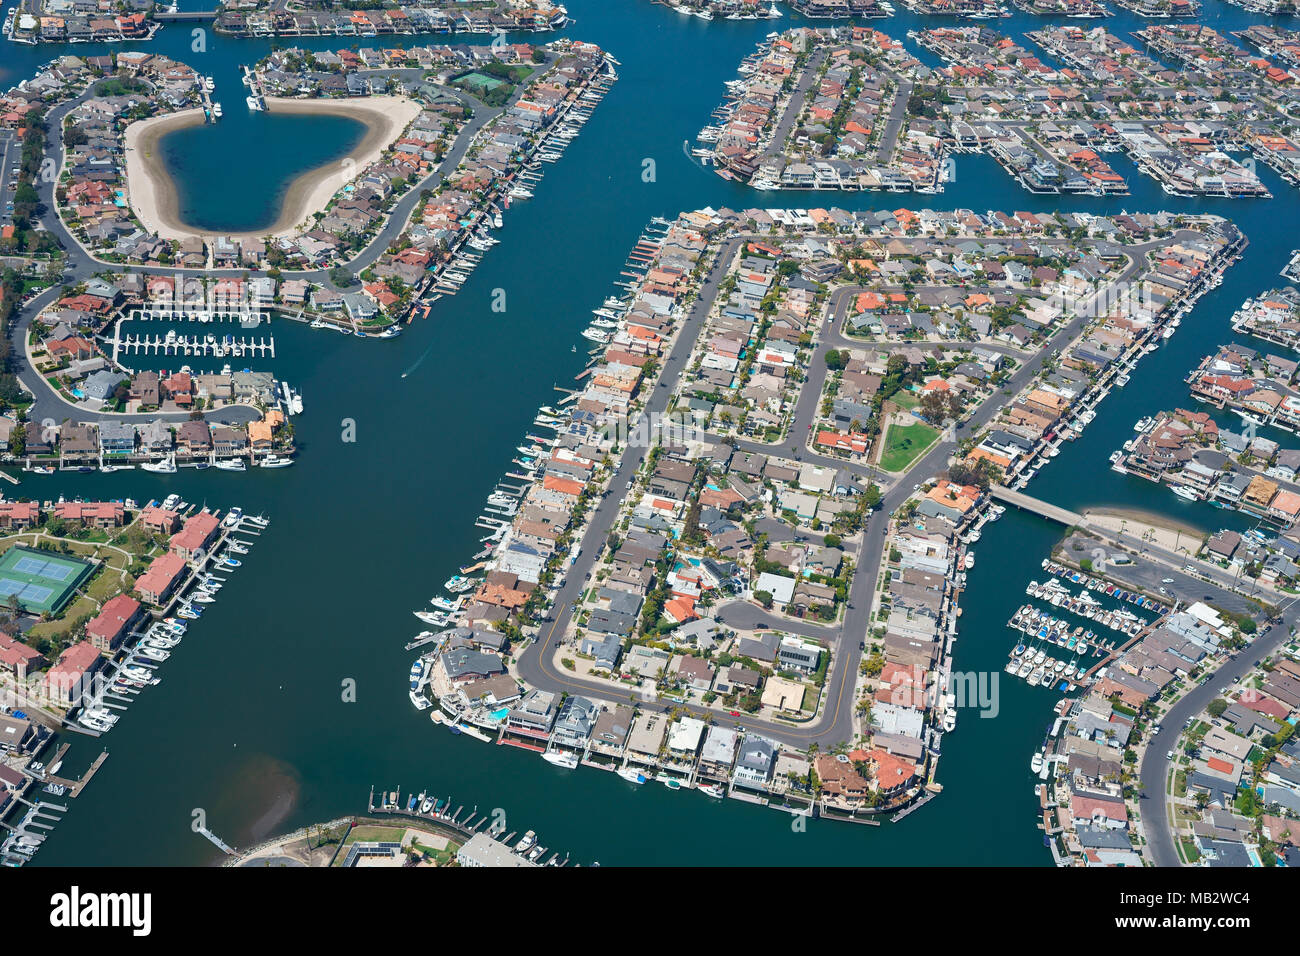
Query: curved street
x,y
80,265
1156,767
834,721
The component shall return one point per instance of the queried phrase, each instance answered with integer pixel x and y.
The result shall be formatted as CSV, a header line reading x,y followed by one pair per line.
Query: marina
x,y
981,755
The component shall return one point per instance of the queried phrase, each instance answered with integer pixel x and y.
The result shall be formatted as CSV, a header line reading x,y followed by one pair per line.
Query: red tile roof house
x,y
1108,813
73,347
893,775
100,514
114,622
197,534
17,658
162,520
158,582
71,677
19,514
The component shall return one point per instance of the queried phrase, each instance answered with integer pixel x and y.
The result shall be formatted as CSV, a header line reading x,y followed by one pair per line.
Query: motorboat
x,y
631,775
561,758
230,464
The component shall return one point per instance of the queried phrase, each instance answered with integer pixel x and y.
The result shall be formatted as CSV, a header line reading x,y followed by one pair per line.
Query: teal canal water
x,y
248,723
241,189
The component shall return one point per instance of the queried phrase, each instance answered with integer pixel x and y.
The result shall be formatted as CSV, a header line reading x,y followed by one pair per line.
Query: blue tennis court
x,y
39,567
40,581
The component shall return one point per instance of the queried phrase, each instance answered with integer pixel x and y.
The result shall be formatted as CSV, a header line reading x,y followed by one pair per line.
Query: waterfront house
x,y
1101,810
646,739
146,390
227,442
155,436
194,438
17,658
78,440
160,520
159,581
484,850
491,692
92,514
719,752
842,787
535,714
461,665
115,620
684,738
575,722
71,675
116,439
610,732
17,515
192,541
16,735
754,762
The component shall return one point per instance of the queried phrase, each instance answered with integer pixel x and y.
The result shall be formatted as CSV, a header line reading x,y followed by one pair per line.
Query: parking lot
x,y
1160,580
10,151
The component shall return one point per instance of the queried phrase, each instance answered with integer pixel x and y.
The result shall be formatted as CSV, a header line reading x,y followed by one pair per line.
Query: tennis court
x,y
40,580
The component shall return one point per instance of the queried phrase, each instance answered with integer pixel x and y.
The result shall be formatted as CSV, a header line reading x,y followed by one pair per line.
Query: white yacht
x,y
631,775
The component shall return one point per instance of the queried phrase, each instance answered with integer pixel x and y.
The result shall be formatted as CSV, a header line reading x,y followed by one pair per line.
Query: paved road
x,y
897,113
798,98
1154,772
835,723
1219,577
81,265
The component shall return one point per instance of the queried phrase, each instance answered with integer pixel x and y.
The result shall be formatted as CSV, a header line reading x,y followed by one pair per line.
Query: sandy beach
x,y
152,193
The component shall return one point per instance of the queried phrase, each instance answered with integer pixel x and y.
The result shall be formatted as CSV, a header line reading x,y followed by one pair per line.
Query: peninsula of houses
x,y
800,448
849,108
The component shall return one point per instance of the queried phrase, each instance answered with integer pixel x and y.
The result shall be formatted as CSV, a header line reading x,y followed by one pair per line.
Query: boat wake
x,y
694,160
424,355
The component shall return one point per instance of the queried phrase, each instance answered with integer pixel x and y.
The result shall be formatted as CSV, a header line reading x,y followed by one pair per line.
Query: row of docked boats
x,y
754,12
1086,606
1037,667
1037,625
1108,588
136,669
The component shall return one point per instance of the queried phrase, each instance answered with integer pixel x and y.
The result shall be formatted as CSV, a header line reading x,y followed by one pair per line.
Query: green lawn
x,y
904,444
905,399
